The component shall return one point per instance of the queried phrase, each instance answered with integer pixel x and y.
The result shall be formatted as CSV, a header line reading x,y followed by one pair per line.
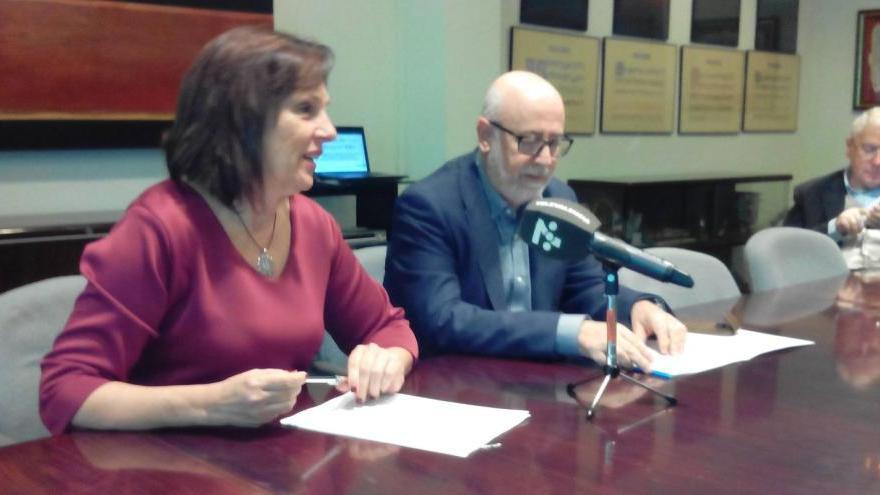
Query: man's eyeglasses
x,y
869,150
532,145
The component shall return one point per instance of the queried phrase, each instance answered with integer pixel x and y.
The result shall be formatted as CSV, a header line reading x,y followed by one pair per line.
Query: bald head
x,y
519,135
515,88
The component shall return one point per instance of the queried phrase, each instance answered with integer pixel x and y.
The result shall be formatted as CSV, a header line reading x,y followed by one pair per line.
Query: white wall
x,y
47,182
616,155
448,52
414,72
827,41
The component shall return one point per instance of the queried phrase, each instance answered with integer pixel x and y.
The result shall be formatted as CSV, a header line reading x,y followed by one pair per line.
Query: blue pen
x,y
660,374
665,376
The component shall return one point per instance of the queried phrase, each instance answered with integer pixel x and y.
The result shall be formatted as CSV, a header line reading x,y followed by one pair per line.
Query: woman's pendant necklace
x,y
265,264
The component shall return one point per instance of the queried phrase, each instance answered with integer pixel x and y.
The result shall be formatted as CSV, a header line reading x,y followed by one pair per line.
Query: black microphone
x,y
565,230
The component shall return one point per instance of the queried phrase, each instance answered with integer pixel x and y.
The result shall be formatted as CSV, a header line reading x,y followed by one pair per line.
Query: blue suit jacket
x,y
443,269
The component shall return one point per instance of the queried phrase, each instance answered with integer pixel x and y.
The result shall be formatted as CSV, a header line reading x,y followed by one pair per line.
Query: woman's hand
x,y
374,370
255,397
251,398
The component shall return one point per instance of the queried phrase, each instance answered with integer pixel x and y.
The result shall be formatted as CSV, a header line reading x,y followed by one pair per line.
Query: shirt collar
x,y
849,188
853,191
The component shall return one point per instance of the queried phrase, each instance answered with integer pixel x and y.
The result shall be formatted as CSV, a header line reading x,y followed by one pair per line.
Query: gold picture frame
x,y
772,86
638,87
711,90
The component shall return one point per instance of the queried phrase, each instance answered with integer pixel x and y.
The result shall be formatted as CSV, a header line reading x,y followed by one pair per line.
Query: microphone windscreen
x,y
556,229
566,211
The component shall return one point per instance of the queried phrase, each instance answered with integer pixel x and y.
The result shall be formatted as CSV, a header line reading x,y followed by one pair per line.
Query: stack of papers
x,y
704,352
427,424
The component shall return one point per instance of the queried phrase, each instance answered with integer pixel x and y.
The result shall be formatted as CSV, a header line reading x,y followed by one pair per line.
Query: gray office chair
x,y
712,280
330,358
31,317
783,256
373,260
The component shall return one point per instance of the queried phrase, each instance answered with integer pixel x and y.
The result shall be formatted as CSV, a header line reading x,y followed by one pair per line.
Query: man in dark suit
x,y
470,285
843,203
817,201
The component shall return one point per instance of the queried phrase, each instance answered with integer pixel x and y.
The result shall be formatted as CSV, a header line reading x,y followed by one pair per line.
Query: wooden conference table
x,y
799,421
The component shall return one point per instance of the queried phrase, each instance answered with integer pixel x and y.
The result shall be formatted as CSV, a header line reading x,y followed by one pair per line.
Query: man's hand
x,y
851,221
631,350
872,217
649,319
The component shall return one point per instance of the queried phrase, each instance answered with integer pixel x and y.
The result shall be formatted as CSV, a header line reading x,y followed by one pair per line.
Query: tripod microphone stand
x,y
611,369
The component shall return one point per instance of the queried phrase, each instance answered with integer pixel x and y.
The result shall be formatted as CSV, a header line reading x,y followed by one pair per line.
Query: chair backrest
x,y
783,256
330,358
373,260
712,280
31,317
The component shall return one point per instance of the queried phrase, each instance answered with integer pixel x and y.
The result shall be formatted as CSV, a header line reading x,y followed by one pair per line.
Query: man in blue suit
x,y
470,285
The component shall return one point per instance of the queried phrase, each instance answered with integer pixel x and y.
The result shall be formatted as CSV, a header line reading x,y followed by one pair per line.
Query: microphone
x,y
566,230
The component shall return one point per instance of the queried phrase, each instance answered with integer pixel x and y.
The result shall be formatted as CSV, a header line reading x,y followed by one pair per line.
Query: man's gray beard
x,y
506,184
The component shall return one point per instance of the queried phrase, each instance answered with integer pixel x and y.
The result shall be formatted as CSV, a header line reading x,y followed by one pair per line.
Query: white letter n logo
x,y
544,235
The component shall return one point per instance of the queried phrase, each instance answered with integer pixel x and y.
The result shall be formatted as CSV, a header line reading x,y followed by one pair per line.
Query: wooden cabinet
x,y
711,213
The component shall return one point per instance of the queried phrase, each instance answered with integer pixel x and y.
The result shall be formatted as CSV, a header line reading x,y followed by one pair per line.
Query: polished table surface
x,y
799,421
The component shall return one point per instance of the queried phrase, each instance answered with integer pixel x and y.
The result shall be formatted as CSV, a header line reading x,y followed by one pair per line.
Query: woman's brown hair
x,y
228,98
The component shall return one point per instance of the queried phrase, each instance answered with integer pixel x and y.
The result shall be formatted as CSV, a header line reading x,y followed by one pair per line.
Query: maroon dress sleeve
x,y
357,309
125,297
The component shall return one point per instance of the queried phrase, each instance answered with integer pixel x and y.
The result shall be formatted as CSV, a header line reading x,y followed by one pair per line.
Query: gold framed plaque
x,y
638,87
570,62
712,88
772,83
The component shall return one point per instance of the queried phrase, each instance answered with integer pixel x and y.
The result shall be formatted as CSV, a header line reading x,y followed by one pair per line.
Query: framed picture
x,y
565,14
711,90
776,26
93,74
570,62
772,86
715,22
638,87
866,93
641,18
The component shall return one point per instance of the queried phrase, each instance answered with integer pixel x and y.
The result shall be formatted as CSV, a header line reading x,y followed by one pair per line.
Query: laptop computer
x,y
346,158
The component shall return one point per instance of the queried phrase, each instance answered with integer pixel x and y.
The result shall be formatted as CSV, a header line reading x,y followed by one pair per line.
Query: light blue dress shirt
x,y
861,197
513,254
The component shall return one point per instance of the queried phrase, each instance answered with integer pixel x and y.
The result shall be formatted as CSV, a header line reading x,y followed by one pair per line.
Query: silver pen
x,y
325,380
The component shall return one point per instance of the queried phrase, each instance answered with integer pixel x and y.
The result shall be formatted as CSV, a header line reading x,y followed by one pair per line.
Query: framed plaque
x,y
638,87
641,18
867,78
715,22
776,26
772,83
566,14
570,62
711,96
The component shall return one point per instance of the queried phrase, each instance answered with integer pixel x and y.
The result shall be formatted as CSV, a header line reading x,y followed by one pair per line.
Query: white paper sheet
x,y
410,421
704,352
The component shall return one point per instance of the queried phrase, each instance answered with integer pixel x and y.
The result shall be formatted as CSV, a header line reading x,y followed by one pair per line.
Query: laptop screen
x,y
345,154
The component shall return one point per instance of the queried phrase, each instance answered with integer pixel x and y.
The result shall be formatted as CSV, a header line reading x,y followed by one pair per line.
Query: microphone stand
x,y
611,369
